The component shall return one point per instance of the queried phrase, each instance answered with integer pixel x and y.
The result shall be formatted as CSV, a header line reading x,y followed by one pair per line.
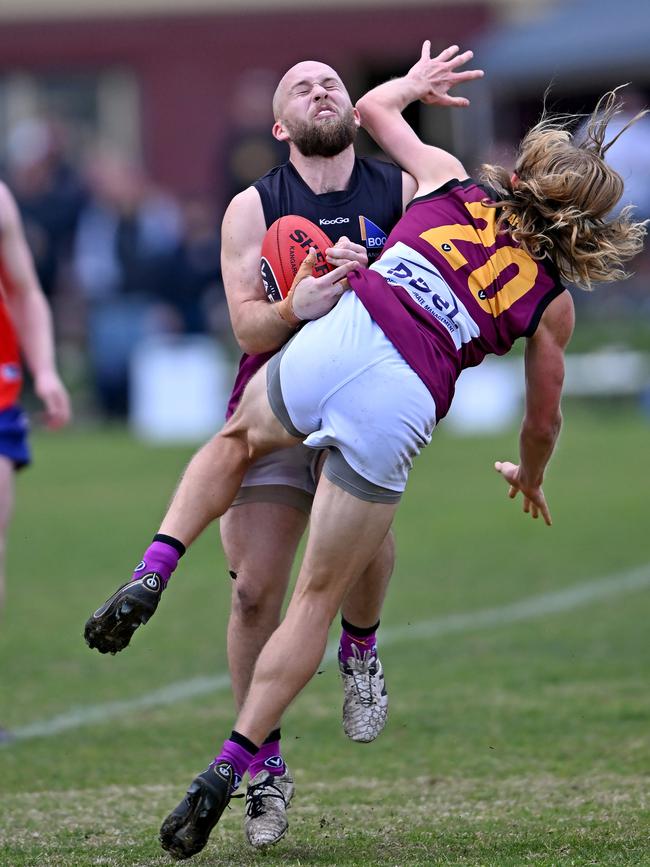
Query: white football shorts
x,y
342,385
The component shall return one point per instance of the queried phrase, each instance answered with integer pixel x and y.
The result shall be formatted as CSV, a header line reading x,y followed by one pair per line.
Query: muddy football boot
x,y
110,628
365,701
187,828
267,800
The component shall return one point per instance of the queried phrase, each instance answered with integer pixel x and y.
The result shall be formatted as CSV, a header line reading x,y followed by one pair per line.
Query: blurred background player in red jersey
x,y
25,330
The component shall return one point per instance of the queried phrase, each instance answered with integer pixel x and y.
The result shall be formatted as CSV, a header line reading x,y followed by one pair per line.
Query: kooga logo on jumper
x,y
336,221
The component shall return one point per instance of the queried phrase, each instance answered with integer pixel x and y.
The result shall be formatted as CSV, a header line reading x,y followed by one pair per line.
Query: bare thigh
x,y
256,422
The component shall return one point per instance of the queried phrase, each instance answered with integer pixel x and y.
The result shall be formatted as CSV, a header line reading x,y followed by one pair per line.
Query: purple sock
x,y
159,557
349,641
238,755
269,758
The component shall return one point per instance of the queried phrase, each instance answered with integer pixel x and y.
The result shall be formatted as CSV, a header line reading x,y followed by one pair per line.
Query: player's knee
x,y
246,606
251,605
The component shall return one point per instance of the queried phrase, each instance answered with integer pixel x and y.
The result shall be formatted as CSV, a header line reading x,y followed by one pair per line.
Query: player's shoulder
x,y
559,317
244,215
377,165
244,202
384,182
277,173
455,189
278,183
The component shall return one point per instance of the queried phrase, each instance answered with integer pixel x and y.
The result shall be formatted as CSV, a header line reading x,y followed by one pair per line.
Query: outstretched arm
x,y
429,81
544,363
30,312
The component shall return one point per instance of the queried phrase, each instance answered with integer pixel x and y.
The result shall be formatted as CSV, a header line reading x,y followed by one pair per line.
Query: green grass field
x,y
516,735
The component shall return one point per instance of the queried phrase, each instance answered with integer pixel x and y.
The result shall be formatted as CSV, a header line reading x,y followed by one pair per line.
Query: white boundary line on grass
x,y
526,609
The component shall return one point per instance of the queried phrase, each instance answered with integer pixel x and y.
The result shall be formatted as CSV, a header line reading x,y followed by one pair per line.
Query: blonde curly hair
x,y
557,204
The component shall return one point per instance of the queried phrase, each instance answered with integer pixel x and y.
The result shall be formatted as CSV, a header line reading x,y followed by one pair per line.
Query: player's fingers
x,y
447,53
339,288
426,50
308,262
54,422
65,410
501,468
507,470
58,410
453,101
344,245
340,257
526,505
467,75
541,508
338,273
348,260
459,59
51,419
305,267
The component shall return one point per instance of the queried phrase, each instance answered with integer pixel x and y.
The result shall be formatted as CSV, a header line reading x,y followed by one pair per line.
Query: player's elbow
x,y
246,343
362,106
248,338
368,107
253,344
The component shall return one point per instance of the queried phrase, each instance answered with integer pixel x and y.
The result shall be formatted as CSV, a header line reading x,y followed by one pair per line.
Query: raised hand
x,y
534,500
435,76
54,396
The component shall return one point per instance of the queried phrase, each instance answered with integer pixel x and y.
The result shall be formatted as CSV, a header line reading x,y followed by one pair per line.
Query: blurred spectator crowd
x,y
118,257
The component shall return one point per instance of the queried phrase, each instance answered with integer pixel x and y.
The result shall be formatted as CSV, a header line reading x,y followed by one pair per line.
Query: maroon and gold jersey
x,y
10,369
448,290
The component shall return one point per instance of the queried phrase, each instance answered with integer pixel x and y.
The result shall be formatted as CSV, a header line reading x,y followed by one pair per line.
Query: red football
x,y
285,245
